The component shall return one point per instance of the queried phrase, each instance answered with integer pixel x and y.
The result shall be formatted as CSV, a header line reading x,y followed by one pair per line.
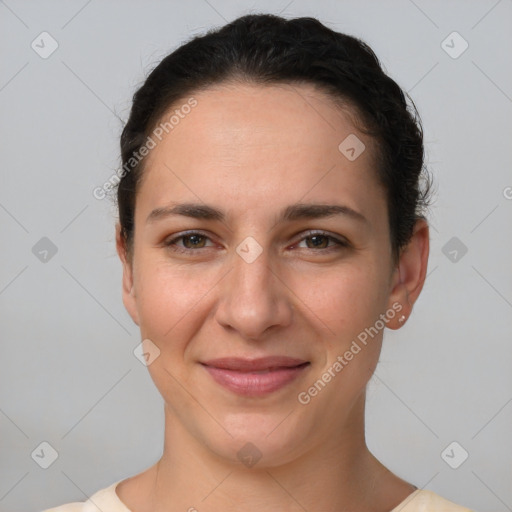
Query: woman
x,y
270,228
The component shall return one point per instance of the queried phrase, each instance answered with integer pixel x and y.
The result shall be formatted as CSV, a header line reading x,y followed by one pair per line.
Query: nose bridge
x,y
252,299
252,272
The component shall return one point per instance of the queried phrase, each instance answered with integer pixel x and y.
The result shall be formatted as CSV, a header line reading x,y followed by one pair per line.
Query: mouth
x,y
255,377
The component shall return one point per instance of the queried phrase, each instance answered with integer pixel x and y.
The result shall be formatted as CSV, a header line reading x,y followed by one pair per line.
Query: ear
x,y
409,275
129,299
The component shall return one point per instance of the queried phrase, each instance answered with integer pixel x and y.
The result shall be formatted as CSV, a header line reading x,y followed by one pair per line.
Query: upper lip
x,y
247,365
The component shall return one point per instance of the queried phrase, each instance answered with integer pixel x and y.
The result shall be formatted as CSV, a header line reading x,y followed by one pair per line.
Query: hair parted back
x,y
268,49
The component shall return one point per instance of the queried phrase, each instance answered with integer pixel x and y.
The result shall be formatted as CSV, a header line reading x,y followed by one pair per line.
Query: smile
x,y
255,377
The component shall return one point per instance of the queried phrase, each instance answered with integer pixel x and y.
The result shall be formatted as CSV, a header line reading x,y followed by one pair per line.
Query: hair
x,y
267,49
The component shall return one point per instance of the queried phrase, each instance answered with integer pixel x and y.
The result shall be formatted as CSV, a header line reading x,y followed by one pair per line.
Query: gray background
x,y
68,375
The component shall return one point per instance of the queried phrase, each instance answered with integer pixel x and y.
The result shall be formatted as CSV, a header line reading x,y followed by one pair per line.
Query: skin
x,y
251,151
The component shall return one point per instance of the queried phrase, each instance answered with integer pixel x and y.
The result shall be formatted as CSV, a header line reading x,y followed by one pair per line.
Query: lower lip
x,y
255,384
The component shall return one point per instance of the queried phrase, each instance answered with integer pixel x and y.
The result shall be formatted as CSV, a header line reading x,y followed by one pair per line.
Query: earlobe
x,y
410,274
128,288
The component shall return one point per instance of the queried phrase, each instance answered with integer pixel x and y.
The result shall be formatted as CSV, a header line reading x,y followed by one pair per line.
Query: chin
x,y
260,440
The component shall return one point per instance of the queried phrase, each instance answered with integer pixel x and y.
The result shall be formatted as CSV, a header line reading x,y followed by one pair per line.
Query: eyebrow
x,y
298,211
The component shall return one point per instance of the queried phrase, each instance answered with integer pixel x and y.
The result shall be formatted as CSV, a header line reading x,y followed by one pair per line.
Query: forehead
x,y
249,141
260,114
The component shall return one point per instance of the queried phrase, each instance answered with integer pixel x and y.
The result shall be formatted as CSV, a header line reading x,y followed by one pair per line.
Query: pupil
x,y
194,240
317,240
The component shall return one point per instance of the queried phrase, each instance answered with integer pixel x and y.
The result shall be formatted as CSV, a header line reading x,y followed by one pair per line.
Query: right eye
x,y
187,242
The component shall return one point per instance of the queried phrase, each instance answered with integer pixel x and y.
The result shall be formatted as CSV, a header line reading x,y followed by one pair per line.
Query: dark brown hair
x,y
268,49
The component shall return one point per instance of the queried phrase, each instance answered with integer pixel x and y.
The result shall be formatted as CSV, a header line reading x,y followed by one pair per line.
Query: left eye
x,y
321,241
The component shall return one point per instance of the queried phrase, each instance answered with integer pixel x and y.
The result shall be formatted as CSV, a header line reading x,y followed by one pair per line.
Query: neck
x,y
339,473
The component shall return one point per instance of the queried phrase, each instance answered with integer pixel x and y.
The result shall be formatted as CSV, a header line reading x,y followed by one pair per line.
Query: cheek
x,y
172,306
344,299
349,301
171,300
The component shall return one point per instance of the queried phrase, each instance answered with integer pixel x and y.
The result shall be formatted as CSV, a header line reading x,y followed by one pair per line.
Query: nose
x,y
254,298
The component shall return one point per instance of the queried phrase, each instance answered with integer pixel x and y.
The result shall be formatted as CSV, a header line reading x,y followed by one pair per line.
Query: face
x,y
256,237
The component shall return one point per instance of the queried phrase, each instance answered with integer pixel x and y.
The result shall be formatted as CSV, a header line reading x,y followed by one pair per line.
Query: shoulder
x,y
102,500
428,501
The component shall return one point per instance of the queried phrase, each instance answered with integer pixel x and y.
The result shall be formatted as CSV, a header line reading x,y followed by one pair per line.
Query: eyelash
x,y
338,243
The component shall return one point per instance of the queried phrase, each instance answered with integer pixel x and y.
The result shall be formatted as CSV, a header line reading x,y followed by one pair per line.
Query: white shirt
x,y
107,500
